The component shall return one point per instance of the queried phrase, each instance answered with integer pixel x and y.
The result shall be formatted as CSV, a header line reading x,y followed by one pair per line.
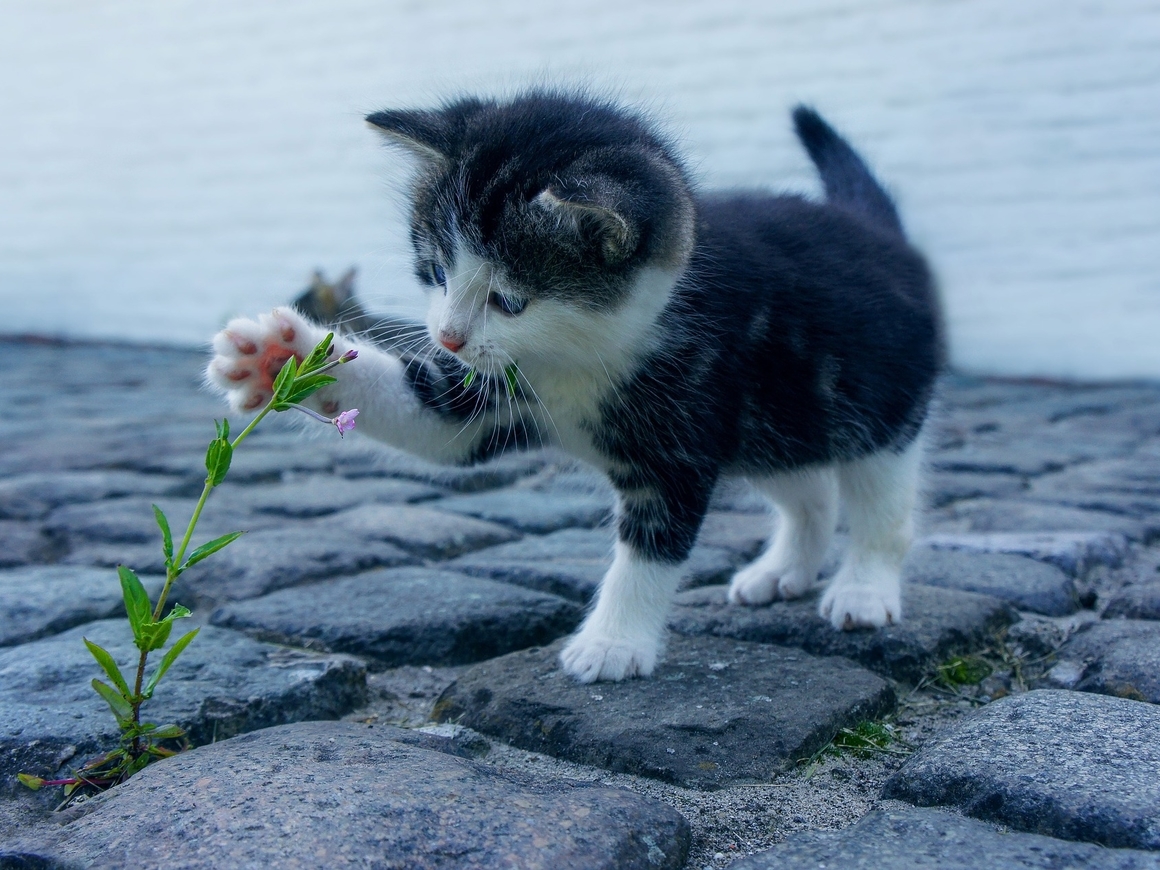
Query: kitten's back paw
x,y
590,657
849,605
248,354
756,584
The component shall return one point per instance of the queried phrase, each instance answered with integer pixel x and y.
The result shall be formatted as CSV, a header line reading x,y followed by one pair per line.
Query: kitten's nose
x,y
451,340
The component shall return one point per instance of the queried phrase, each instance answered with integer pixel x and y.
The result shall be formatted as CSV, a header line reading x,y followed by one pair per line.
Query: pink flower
x,y
344,422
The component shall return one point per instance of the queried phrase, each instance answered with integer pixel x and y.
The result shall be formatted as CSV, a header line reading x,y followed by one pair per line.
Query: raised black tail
x,y
848,181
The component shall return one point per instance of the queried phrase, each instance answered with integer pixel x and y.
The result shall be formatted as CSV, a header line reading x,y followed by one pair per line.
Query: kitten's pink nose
x,y
450,340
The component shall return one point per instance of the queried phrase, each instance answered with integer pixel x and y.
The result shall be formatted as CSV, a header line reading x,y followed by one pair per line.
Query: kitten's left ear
x,y
594,207
425,134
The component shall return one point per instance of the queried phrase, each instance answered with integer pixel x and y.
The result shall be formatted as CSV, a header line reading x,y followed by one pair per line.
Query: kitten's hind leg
x,y
807,502
879,494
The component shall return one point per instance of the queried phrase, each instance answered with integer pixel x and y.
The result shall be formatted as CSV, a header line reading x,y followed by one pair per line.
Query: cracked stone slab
x,y
572,562
936,624
406,616
428,533
911,838
40,600
223,684
1118,657
1139,601
353,796
291,555
530,511
1026,583
382,461
1063,764
1072,552
33,495
714,711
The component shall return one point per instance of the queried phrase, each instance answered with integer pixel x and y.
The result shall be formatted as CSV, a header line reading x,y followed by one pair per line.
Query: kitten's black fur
x,y
800,333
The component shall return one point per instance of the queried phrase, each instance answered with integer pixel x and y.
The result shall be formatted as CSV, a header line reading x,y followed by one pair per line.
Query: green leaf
x,y
33,782
470,379
285,378
117,703
211,547
308,386
165,732
511,374
110,667
154,635
223,429
169,658
166,534
317,357
137,605
217,460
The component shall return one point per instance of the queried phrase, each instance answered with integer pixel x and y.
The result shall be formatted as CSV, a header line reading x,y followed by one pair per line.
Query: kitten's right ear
x,y
424,134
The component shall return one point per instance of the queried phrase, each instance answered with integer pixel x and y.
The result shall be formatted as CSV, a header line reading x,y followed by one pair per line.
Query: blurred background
x,y
166,165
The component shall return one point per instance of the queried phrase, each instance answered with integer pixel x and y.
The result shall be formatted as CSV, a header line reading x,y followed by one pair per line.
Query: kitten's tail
x,y
848,181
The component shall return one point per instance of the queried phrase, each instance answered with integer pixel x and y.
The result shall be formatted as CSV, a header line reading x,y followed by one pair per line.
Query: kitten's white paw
x,y
852,604
591,656
248,354
757,584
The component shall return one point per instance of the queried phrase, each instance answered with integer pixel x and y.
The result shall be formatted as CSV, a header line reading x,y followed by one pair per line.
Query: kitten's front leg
x,y
623,635
415,406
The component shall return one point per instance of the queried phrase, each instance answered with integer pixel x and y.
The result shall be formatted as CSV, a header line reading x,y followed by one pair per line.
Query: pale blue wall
x,y
164,165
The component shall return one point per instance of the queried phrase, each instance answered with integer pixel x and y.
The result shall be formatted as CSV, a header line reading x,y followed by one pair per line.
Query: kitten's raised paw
x,y
756,585
860,605
248,354
590,657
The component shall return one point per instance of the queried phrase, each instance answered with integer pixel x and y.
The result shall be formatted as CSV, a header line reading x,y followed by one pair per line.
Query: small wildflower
x,y
344,422
348,356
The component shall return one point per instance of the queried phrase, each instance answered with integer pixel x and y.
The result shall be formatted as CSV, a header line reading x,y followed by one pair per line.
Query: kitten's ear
x,y
425,134
593,207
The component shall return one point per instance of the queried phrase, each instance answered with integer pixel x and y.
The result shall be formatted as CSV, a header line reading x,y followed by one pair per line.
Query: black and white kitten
x,y
666,336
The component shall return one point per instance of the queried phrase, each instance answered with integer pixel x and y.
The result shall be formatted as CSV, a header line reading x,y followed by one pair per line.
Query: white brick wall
x,y
164,165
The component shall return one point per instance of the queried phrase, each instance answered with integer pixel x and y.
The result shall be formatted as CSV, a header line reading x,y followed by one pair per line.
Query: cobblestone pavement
x,y
375,685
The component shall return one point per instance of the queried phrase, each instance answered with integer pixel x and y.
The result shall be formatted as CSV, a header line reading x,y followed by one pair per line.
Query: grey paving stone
x,y
530,511
742,533
425,532
317,495
31,496
291,555
992,515
936,624
142,558
382,461
1115,657
406,616
909,838
1139,601
1026,583
1019,459
570,562
130,520
23,543
942,488
343,794
223,684
1064,764
1073,552
714,712
40,600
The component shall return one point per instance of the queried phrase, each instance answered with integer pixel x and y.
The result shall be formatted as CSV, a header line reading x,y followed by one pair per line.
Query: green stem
x,y
171,571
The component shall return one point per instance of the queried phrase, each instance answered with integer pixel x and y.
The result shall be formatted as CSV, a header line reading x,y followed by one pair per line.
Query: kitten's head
x,y
546,227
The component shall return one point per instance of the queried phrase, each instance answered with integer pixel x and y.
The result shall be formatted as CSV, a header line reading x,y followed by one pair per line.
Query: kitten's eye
x,y
438,276
507,304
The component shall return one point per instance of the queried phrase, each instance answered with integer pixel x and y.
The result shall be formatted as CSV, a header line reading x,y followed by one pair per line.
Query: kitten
x,y
582,294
